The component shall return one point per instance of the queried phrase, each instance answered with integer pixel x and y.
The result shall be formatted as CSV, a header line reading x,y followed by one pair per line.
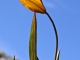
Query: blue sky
x,y
15,24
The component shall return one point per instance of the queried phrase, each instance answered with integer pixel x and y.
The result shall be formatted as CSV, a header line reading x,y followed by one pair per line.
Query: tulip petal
x,y
39,2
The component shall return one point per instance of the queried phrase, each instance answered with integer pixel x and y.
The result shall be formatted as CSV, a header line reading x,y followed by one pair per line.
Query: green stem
x,y
56,34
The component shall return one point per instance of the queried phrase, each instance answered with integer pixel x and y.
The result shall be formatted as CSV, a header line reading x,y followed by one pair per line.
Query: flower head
x,y
34,5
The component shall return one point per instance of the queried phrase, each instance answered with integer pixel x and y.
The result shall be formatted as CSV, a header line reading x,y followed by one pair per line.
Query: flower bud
x,y
34,5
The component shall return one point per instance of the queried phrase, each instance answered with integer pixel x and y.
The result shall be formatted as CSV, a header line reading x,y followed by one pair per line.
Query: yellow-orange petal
x,y
34,5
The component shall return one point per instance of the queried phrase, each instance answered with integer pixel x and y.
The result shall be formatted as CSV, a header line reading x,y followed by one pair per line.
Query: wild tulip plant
x,y
37,7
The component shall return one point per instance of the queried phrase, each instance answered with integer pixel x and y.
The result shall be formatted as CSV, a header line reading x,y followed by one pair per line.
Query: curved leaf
x,y
58,55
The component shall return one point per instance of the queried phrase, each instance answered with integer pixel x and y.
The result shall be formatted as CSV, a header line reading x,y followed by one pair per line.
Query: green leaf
x,y
58,55
14,57
33,40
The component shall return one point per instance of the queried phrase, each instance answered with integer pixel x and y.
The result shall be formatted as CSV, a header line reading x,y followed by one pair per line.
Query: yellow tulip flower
x,y
34,5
